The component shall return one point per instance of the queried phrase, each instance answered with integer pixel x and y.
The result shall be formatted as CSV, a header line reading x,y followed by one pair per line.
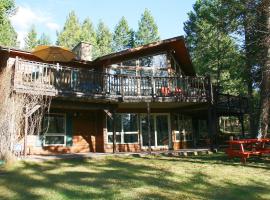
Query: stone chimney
x,y
83,51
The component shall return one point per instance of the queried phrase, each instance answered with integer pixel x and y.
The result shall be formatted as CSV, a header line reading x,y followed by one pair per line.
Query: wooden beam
x,y
33,110
114,131
79,105
149,126
25,132
241,119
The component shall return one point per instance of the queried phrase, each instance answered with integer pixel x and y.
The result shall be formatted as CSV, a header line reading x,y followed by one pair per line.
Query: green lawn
x,y
202,177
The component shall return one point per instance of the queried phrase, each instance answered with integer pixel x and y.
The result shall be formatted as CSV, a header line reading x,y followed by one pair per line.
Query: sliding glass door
x,y
144,130
162,130
159,129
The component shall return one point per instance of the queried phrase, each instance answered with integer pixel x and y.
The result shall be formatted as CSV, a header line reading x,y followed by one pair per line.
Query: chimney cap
x,y
79,43
83,51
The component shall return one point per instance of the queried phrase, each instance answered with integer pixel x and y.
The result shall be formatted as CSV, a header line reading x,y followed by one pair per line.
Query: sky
x,y
49,16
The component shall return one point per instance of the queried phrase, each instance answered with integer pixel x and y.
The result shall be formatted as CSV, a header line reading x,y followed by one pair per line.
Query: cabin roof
x,y
176,46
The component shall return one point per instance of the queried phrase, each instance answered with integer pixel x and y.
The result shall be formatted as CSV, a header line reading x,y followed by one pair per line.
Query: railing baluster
x,y
67,79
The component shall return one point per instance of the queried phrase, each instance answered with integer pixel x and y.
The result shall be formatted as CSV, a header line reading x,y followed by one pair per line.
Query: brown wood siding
x,y
90,135
87,135
123,148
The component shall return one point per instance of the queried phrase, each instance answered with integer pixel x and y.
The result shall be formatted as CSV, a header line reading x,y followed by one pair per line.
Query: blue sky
x,y
49,16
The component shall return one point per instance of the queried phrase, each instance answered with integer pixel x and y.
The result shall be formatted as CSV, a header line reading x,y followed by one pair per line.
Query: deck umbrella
x,y
53,53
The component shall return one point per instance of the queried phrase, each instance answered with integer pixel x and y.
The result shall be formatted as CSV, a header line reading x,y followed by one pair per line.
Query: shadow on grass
x,y
107,178
222,159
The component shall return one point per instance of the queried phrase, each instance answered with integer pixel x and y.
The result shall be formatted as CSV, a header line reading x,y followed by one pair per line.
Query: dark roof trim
x,y
176,46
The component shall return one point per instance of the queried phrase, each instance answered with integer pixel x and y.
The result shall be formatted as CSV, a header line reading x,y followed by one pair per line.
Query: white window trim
x,y
185,136
122,133
57,134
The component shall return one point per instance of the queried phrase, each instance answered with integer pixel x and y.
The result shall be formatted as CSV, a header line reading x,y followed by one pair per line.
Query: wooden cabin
x,y
129,101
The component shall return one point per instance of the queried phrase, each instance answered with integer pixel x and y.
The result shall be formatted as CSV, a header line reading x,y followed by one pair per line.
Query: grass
x,y
202,177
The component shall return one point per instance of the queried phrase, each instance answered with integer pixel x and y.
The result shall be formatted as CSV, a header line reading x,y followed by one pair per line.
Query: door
x,y
162,130
144,130
159,129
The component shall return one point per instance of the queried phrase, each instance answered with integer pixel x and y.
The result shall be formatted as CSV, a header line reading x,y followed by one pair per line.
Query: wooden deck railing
x,y
232,103
56,80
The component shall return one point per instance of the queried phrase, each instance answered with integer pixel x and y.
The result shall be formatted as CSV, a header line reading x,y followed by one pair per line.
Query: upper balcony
x,y
62,81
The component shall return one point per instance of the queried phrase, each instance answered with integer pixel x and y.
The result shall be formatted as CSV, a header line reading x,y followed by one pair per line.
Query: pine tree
x,y
8,35
265,85
132,42
104,39
148,30
44,40
31,40
88,34
122,36
212,48
71,33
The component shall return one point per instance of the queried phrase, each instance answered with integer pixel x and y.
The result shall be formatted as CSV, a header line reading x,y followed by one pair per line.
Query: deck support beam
x,y
212,114
114,130
212,126
25,132
241,119
149,126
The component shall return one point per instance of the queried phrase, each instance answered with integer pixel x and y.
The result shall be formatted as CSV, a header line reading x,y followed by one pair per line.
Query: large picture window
x,y
126,128
54,126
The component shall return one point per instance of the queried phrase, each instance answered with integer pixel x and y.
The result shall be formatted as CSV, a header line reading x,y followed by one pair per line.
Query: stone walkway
x,y
175,153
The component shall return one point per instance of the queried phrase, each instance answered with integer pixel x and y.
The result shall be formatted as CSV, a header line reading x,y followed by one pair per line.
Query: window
x,y
183,126
54,126
126,128
203,129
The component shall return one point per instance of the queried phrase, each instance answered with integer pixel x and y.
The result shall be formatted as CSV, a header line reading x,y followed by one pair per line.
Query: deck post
x,y
212,116
195,125
149,127
114,130
241,119
25,132
170,131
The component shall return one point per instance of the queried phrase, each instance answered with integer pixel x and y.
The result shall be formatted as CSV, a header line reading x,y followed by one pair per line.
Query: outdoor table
x,y
247,147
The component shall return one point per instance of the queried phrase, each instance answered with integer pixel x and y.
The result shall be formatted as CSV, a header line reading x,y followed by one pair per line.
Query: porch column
x,y
114,130
212,126
170,131
212,115
149,126
195,129
25,131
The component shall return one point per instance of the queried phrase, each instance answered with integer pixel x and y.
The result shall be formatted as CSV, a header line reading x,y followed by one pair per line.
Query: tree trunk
x,y
265,86
248,32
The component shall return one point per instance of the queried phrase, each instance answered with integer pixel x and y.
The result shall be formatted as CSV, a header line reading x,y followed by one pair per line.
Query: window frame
x,y
155,130
177,131
56,134
122,133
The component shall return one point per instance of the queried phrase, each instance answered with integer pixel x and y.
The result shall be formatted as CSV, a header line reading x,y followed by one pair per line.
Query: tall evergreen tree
x,y
265,84
122,36
8,35
44,40
31,40
104,39
148,30
71,33
243,16
88,34
132,42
